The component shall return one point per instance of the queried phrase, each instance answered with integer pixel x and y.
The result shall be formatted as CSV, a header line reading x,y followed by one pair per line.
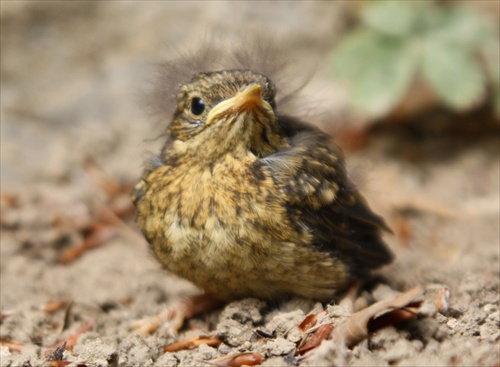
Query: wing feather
x,y
312,174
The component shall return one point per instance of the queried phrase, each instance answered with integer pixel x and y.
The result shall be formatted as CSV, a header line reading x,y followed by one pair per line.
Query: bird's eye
x,y
197,106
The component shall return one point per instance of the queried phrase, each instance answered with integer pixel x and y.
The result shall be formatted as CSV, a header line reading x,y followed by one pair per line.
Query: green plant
x,y
452,48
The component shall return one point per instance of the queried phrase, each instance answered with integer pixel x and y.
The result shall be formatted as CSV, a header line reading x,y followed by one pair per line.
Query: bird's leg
x,y
173,317
350,301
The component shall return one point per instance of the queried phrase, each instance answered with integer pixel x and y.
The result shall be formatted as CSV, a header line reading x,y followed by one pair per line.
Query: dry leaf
x,y
403,230
244,359
71,341
406,306
55,306
13,345
99,234
310,321
58,363
106,183
319,335
192,343
9,200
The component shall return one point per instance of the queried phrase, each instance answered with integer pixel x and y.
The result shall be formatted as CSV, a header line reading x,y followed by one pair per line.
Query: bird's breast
x,y
227,228
208,215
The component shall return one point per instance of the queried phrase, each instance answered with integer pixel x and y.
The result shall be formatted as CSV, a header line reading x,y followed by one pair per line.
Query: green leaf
x,y
463,27
490,52
384,82
352,54
378,68
491,55
394,18
453,73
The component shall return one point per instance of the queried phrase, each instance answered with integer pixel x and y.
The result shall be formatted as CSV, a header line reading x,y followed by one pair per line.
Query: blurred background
x,y
72,72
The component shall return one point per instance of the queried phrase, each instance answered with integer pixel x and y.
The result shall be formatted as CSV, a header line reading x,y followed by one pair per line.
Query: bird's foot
x,y
350,302
173,316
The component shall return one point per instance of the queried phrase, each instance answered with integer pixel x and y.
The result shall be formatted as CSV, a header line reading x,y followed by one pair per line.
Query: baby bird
x,y
246,202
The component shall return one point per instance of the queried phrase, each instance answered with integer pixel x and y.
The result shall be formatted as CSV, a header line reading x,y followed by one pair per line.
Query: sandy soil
x,y
71,75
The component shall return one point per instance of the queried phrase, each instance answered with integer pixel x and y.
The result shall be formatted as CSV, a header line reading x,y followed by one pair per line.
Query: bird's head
x,y
227,112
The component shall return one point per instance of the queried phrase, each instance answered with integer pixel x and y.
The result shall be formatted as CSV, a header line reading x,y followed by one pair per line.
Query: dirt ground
x,y
73,138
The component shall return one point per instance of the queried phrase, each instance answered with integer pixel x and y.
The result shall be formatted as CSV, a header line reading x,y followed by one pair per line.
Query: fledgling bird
x,y
245,201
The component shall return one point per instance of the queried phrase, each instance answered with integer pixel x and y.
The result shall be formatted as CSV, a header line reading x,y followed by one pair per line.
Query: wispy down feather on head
x,y
259,54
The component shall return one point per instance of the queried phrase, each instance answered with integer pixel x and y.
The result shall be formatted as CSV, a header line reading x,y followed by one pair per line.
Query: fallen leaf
x,y
310,321
67,316
12,344
391,318
72,339
406,306
99,234
58,363
319,335
244,359
192,343
111,187
55,306
352,139
9,200
114,215
4,314
403,230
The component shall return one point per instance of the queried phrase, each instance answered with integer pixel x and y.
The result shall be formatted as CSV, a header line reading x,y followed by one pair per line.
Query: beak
x,y
248,99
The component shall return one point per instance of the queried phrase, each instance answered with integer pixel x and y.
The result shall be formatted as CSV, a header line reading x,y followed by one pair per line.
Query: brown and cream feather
x,y
244,200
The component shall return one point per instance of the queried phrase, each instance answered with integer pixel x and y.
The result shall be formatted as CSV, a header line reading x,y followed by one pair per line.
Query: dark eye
x,y
197,106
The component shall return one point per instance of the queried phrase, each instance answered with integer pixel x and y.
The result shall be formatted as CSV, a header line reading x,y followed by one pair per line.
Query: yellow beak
x,y
245,100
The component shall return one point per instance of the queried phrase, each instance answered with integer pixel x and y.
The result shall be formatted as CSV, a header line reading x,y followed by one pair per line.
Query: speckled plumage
x,y
243,201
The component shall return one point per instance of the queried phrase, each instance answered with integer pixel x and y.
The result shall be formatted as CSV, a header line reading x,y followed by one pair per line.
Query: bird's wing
x,y
312,175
